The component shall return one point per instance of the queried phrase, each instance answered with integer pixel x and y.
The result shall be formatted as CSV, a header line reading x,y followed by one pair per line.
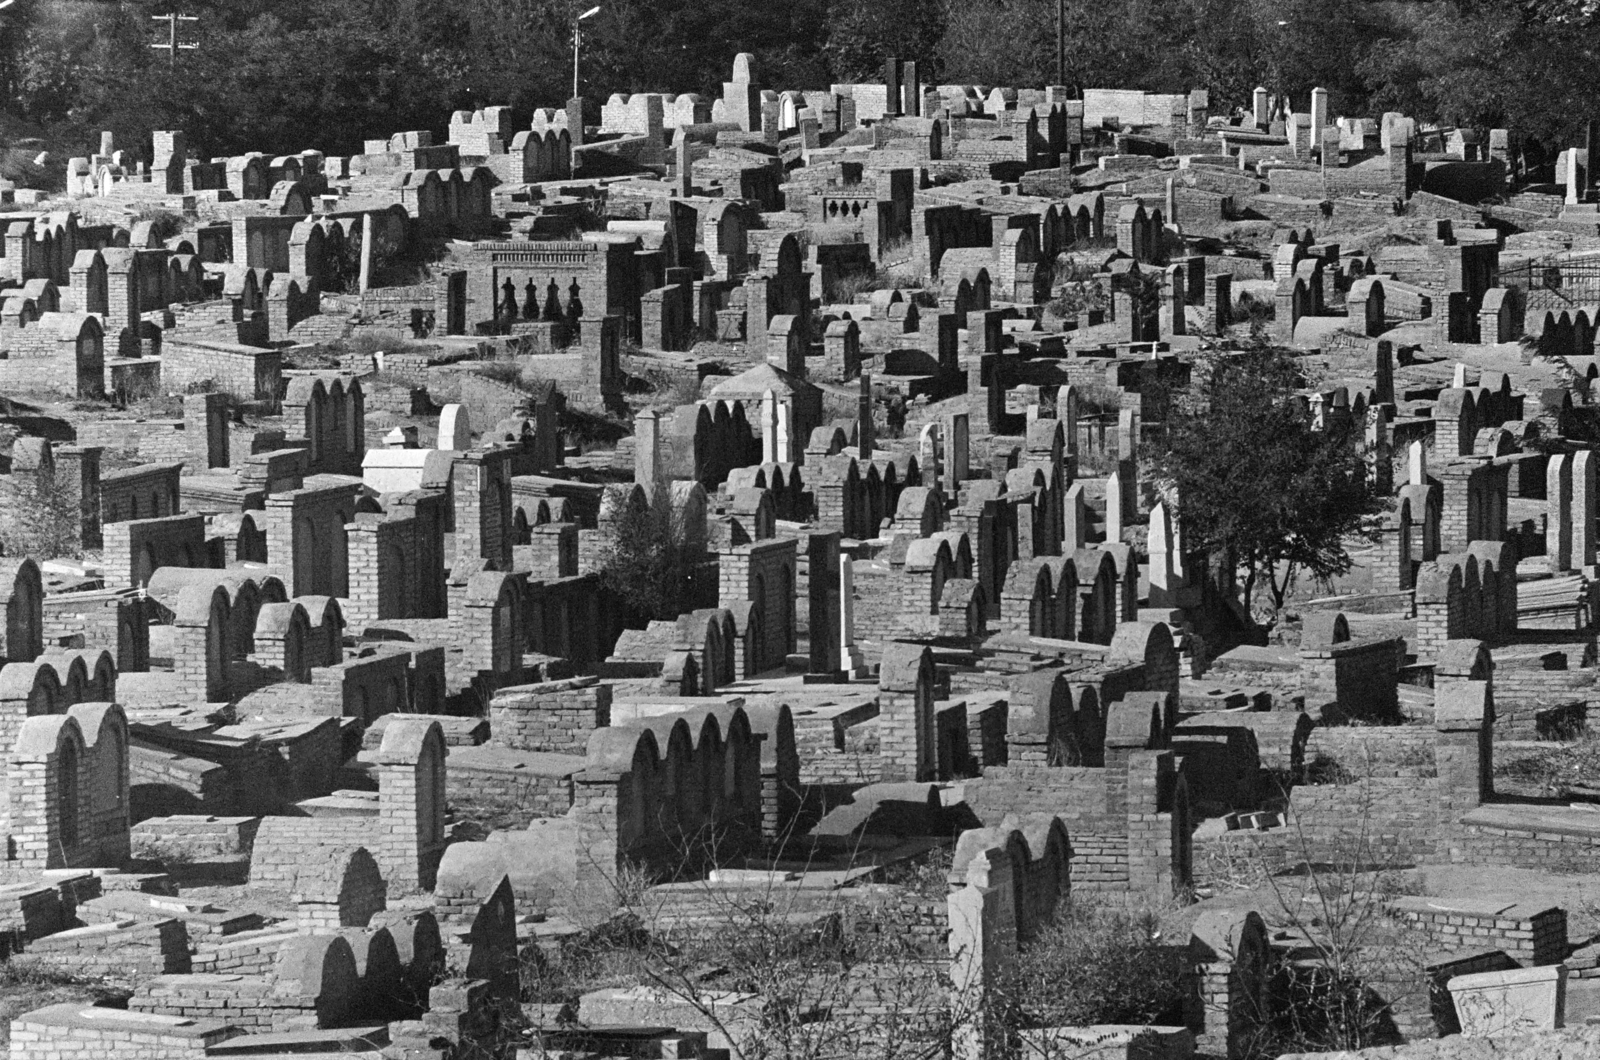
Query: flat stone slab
x,y
1579,822
537,763
343,1039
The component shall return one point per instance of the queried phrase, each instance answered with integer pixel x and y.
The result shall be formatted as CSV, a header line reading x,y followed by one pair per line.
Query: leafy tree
x,y
1255,481
1492,64
863,33
41,516
650,562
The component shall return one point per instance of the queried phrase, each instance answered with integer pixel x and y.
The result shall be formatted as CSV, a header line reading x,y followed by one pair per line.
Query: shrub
x,y
41,516
1098,964
507,372
669,387
845,289
164,224
650,562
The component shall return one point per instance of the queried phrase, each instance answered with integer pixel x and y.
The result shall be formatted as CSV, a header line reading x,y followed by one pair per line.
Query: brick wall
x,y
527,795
1388,751
120,950
58,1033
246,371
145,492
199,836
1357,675
1532,934
555,716
1532,704
1486,840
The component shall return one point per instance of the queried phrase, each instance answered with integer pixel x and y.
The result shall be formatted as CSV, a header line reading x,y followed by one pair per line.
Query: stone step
x,y
342,1041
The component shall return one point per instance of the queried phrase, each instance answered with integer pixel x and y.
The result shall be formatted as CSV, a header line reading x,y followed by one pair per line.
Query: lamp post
x,y
577,35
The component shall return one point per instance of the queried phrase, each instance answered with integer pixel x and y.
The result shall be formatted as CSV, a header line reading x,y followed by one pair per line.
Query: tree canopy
x,y
1257,480
284,75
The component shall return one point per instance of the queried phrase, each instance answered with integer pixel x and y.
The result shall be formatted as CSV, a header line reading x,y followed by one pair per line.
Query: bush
x,y
507,372
164,224
842,290
1097,964
650,562
41,517
669,387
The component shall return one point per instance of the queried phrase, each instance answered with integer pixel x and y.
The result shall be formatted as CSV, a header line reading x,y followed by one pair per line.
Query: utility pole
x,y
1061,42
172,46
577,36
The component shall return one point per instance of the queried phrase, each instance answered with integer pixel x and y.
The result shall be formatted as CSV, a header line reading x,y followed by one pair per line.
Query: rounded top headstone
x,y
455,429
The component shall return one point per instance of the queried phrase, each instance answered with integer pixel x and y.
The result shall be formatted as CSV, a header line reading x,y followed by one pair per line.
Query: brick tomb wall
x,y
239,370
198,836
1359,676
1382,819
116,949
1491,836
555,716
247,953
531,794
1388,751
97,617
148,491
60,1033
1532,704
163,441
1532,934
1076,794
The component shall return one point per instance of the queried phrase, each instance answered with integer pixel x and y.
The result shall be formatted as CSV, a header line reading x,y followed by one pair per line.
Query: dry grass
x,y
25,986
1548,771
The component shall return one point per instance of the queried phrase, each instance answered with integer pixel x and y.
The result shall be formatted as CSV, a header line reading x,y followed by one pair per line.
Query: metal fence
x,y
1554,283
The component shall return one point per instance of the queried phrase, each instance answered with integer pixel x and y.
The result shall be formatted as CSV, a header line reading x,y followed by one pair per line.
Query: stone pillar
x,y
411,804
864,435
1319,114
683,164
1067,413
1583,509
1076,533
1263,110
575,121
1558,514
78,475
983,948
1463,750
205,428
1116,518
647,452
1416,464
824,586
769,428
907,737
891,86
481,486
1219,296
956,452
850,657
1163,576
1591,154
1383,373
368,236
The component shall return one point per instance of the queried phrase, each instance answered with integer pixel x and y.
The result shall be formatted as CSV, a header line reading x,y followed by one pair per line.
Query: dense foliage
x,y
650,561
283,75
1257,480
1099,964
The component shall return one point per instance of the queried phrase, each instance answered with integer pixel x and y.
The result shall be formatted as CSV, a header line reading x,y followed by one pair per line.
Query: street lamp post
x,y
577,35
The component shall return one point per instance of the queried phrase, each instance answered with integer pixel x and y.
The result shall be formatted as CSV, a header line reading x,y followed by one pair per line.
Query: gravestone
x,y
455,429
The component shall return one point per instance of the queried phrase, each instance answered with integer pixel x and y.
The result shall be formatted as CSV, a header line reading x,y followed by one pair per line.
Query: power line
x,y
173,46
